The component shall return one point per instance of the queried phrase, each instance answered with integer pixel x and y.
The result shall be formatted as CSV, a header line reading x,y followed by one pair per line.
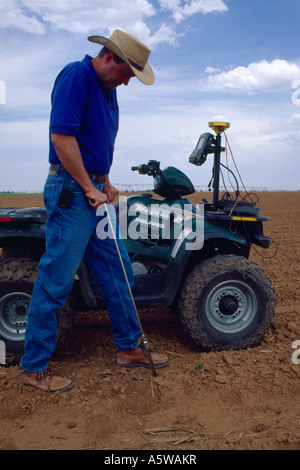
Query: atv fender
x,y
212,231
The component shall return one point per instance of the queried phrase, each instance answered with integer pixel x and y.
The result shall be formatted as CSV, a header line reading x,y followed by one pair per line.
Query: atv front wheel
x,y
227,302
17,279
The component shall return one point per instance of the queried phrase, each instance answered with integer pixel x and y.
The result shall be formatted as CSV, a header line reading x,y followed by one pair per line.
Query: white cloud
x,y
82,17
76,16
183,9
11,15
165,34
102,16
277,75
210,70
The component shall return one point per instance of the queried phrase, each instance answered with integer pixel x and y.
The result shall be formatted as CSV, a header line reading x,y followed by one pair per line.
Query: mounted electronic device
x,y
206,144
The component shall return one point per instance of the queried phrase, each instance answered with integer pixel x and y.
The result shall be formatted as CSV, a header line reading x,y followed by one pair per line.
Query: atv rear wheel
x,y
17,279
227,302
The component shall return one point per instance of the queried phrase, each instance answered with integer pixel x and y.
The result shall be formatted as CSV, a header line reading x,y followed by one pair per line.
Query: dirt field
x,y
235,400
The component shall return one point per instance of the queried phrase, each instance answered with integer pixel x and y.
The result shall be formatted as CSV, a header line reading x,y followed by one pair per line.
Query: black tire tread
x,y
25,270
200,276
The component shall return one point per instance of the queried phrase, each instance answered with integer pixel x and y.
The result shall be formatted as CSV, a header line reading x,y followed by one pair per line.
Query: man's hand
x,y
68,152
96,197
110,190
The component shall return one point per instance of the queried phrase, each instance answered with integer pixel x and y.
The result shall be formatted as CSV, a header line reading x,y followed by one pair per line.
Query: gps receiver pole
x,y
145,342
219,124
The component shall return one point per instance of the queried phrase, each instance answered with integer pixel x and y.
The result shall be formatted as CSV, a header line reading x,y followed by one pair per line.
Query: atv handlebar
x,y
152,168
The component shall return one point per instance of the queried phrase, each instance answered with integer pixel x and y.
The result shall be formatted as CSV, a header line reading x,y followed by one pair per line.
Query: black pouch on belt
x,y
65,197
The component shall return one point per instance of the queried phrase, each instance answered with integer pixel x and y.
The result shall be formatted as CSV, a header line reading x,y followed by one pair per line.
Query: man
x,y
83,127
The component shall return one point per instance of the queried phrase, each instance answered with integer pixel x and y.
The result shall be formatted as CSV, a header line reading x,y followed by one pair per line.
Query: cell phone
x,y
65,197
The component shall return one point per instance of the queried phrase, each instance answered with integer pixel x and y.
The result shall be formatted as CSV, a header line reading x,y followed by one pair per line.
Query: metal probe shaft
x,y
145,342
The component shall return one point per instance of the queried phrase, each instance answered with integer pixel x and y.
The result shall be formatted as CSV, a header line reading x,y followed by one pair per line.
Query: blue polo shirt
x,y
82,108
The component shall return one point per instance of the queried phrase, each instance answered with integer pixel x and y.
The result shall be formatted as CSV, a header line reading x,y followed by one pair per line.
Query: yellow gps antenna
x,y
219,124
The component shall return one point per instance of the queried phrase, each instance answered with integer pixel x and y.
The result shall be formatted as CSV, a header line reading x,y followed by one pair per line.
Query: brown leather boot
x,y
138,358
46,381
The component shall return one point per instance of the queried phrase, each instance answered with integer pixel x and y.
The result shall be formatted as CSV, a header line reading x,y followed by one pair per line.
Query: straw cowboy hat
x,y
131,50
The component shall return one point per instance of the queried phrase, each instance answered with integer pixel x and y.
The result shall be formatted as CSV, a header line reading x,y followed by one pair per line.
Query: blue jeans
x,y
70,236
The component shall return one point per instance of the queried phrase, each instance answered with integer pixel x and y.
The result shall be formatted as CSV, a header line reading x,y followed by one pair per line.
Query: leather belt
x,y
92,174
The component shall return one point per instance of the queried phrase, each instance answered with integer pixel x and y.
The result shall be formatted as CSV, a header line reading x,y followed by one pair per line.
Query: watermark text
x,y
179,223
296,94
296,354
2,92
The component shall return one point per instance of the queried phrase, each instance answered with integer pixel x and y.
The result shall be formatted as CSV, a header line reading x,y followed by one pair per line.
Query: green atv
x,y
191,258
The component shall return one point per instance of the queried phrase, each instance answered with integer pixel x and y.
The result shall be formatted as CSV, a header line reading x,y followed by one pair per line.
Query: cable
x,y
234,161
253,246
226,153
248,195
230,171
243,198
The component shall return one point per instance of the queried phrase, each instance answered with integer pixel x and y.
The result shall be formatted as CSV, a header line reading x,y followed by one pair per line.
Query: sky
x,y
235,58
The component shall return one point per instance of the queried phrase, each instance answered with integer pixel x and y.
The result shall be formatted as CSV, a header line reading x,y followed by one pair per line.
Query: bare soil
x,y
241,400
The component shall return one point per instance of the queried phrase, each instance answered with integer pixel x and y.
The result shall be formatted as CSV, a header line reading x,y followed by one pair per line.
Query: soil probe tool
x,y
145,342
